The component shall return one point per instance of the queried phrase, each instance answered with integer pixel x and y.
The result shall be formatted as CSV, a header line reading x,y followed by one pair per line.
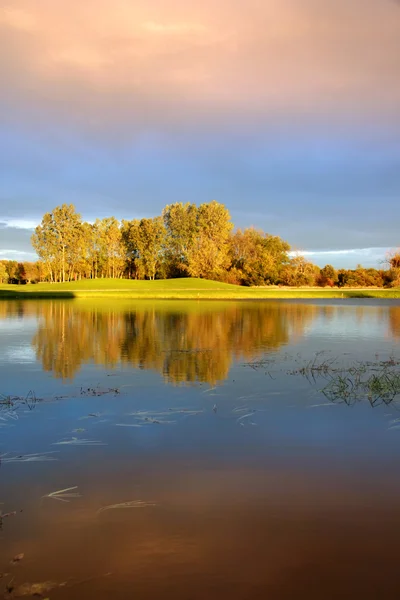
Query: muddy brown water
x,y
168,451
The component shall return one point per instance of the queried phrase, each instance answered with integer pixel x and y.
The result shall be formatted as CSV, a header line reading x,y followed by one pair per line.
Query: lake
x,y
199,450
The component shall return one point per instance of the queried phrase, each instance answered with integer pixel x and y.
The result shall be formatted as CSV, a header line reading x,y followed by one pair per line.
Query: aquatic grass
x,y
9,414
208,390
247,416
30,399
74,441
42,588
156,421
10,405
6,400
64,495
125,505
321,404
375,381
97,391
148,417
27,458
355,385
186,411
90,416
33,590
128,425
147,421
11,513
394,427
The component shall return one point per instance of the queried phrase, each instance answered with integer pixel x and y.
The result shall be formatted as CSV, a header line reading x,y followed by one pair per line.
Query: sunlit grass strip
x,y
179,289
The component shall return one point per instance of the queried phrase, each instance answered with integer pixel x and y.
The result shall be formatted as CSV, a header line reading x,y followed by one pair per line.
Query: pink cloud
x,y
101,63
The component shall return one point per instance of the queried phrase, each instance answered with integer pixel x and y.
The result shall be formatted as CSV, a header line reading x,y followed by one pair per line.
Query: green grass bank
x,y
180,289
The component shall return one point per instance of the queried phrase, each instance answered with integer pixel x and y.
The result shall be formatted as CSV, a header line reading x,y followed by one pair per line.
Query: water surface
x,y
244,480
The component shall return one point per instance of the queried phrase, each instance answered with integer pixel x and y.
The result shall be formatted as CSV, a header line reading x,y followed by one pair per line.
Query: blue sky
x,y
286,111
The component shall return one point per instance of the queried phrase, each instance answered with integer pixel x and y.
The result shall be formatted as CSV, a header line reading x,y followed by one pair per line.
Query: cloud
x,y
173,28
15,244
113,62
349,258
8,254
18,223
366,251
14,18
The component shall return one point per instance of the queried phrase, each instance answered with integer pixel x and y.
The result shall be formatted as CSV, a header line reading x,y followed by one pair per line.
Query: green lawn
x,y
184,289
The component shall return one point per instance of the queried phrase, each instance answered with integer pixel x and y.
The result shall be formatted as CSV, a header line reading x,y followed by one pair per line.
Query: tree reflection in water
x,y
185,342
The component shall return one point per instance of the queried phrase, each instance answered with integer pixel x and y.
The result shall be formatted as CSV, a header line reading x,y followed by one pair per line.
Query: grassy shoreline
x,y
179,289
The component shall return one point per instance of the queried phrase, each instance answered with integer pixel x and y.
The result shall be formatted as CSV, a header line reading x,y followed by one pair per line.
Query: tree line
x,y
184,241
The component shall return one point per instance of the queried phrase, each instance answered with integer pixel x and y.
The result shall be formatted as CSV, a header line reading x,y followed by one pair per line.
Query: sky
x,y
286,111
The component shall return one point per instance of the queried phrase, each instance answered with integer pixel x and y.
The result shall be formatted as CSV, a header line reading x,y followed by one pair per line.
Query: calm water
x,y
244,480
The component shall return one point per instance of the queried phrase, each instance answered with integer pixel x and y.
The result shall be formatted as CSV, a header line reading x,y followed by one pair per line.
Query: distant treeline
x,y
185,240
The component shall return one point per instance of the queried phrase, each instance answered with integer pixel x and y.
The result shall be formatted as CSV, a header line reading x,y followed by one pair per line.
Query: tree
x,y
31,271
20,273
208,255
328,276
3,273
180,221
110,246
395,261
146,240
299,272
56,238
11,270
86,264
260,257
129,241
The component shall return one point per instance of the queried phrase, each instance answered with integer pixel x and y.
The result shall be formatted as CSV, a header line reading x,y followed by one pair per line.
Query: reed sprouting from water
x,y
64,495
124,505
377,388
79,442
10,405
27,458
378,382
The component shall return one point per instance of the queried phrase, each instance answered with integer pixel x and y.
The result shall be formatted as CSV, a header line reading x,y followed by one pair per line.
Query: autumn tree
x,y
87,263
146,238
129,242
361,277
300,272
258,257
180,221
393,259
11,270
3,273
31,271
208,255
20,273
393,262
55,239
111,249
327,276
